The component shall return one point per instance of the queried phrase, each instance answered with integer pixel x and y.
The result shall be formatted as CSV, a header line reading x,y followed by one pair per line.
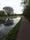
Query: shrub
x,y
26,12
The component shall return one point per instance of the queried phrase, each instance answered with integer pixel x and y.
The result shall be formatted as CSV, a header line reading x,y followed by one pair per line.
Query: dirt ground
x,y
24,30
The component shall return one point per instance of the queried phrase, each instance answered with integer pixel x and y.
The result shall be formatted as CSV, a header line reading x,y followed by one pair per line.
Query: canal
x,y
5,29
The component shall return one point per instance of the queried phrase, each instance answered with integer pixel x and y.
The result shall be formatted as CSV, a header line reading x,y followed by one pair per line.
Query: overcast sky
x,y
15,4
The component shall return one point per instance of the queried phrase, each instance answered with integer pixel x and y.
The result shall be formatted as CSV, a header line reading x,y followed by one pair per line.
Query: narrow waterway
x,y
5,29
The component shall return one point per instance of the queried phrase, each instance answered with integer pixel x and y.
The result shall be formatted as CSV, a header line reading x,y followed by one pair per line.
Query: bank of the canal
x,y
12,34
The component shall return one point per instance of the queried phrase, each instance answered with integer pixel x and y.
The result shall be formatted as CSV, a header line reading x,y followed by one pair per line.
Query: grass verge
x,y
11,35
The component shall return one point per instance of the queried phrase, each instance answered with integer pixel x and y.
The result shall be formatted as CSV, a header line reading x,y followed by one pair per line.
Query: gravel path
x,y
24,30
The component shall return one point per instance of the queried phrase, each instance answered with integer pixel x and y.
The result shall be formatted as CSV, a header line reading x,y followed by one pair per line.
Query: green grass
x,y
12,35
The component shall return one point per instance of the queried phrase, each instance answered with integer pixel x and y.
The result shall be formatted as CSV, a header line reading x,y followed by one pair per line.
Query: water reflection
x,y
5,29
8,22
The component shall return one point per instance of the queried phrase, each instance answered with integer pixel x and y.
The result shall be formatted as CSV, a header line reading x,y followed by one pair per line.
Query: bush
x,y
26,12
2,13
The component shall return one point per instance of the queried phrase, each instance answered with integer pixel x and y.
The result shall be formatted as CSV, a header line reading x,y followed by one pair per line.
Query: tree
x,y
26,2
26,12
2,13
8,10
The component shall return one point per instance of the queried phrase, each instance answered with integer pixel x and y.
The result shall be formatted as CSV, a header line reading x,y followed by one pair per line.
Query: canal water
x,y
5,29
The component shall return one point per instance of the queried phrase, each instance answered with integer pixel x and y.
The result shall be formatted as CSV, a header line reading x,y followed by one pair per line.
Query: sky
x,y
15,4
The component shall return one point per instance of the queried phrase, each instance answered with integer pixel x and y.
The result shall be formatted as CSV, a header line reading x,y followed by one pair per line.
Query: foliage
x,y
2,13
8,10
26,1
26,12
12,35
